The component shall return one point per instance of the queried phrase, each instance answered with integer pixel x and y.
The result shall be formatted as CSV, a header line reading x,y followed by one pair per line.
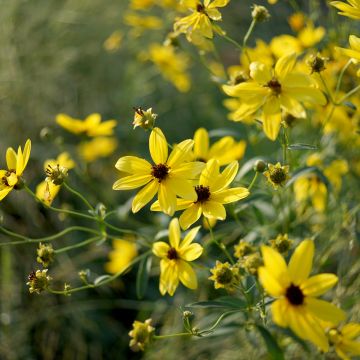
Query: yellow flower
x,y
225,276
310,36
200,21
272,91
277,175
141,23
173,66
354,51
141,4
124,251
297,21
141,335
351,10
224,150
47,190
16,163
284,45
97,148
344,341
91,126
144,119
297,305
211,193
113,42
169,176
335,173
175,258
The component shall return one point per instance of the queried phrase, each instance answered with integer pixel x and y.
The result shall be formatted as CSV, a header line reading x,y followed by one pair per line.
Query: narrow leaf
x,y
272,346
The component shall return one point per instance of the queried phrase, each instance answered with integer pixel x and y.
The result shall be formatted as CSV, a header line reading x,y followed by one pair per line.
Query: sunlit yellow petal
x,y
158,146
187,275
230,195
285,65
325,310
279,309
145,195
191,252
272,118
214,210
270,283
160,249
189,170
180,153
201,144
167,199
318,284
210,172
182,188
225,179
301,262
11,159
351,330
133,165
131,182
189,237
260,72
190,216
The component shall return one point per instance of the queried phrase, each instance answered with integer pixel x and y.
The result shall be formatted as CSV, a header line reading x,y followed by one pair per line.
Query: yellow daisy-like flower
x,y
297,305
175,258
141,335
96,148
124,251
212,193
47,190
16,163
277,174
354,51
224,151
272,91
225,276
91,126
351,9
344,341
200,21
169,176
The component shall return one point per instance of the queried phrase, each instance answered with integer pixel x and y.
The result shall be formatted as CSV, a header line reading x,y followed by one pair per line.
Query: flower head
x,y
16,163
277,175
99,147
141,335
168,177
144,119
124,251
175,258
297,305
243,248
113,42
351,9
225,276
45,254
281,243
38,281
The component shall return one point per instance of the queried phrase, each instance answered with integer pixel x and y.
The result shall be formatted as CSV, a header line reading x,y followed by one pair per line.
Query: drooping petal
x,y
158,146
272,118
133,165
167,199
181,153
187,275
279,310
169,277
190,252
318,284
160,249
301,262
201,144
131,182
144,196
214,210
285,65
230,195
174,233
270,283
325,310
5,191
190,216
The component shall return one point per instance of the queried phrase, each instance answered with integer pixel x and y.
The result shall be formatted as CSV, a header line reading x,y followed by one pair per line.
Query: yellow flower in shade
x,y
273,91
297,21
47,190
310,36
284,45
344,340
113,42
175,258
16,163
141,23
335,173
168,177
224,150
124,251
141,4
173,66
277,175
225,276
141,335
91,126
200,21
212,193
354,51
97,148
297,305
272,2
351,9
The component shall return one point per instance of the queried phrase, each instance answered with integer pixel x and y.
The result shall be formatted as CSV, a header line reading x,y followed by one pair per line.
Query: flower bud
x,y
144,119
260,13
260,166
251,263
56,174
316,63
243,248
141,335
225,276
277,174
281,244
45,254
38,281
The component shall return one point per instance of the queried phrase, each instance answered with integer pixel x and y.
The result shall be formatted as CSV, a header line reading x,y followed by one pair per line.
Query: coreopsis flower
x,y
271,91
297,21
45,254
124,251
344,340
96,148
175,258
141,335
168,177
56,171
351,9
354,51
277,174
225,150
296,305
251,263
91,126
16,163
310,35
141,23
243,248
281,243
172,65
201,19
113,42
39,281
225,276
212,193
144,118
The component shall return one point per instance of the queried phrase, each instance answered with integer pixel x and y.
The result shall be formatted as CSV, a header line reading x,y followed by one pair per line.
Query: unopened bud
x,y
260,13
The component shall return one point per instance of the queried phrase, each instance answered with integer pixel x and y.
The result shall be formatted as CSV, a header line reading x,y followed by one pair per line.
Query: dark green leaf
x,y
302,147
272,346
142,277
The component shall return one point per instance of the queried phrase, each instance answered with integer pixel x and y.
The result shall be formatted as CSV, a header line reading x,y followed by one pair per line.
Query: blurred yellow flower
x,y
351,10
284,45
97,148
310,36
225,276
297,21
16,163
141,4
173,66
141,23
297,305
141,335
344,340
354,51
113,42
274,90
175,258
224,150
124,251
169,176
91,126
47,190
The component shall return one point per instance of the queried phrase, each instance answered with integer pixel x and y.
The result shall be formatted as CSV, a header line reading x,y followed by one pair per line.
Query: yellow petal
x,y
180,153
285,65
160,249
167,199
75,126
174,233
279,309
189,237
318,284
11,158
325,310
158,146
210,172
191,252
106,128
5,191
201,144
272,118
225,179
190,170
190,216
131,182
260,72
269,282
169,277
187,275
354,42
144,196
301,262
214,210
133,165
246,90
307,94
292,106
230,195
182,188
351,330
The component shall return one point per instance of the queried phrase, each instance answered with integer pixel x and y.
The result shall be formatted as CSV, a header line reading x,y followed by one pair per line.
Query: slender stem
x,y
67,186
159,337
326,88
253,181
262,302
294,5
338,84
247,36
217,322
232,41
80,244
285,145
352,92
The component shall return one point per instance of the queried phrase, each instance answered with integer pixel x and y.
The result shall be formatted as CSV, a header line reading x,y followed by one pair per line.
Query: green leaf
x,y
350,105
224,302
302,147
142,277
272,346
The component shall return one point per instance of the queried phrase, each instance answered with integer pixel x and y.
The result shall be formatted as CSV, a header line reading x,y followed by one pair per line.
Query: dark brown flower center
x,y
295,295
4,179
275,86
203,193
160,171
139,111
278,176
200,8
172,254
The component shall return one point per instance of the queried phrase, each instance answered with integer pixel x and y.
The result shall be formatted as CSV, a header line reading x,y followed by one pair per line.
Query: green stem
x,y
351,92
262,302
253,181
159,337
338,84
326,88
217,322
247,36
232,41
78,195
80,244
285,145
